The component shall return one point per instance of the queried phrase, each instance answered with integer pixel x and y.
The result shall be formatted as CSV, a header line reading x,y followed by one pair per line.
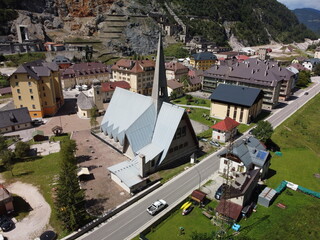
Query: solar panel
x,y
261,154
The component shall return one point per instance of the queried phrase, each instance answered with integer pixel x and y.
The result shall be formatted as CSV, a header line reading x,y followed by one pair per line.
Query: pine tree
x,y
70,201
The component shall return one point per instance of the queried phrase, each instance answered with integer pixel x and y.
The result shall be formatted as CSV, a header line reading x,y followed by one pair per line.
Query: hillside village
x,y
213,142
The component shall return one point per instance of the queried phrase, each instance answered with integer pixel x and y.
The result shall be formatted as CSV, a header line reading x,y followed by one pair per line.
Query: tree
x,y
303,79
93,116
3,144
316,70
263,131
70,201
22,149
7,158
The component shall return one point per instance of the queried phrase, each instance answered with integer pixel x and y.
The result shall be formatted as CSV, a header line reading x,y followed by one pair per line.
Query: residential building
x,y
244,156
37,86
152,132
14,119
276,82
227,55
225,130
176,70
108,88
176,88
84,74
6,201
194,81
86,102
238,194
248,51
311,63
203,60
240,103
138,73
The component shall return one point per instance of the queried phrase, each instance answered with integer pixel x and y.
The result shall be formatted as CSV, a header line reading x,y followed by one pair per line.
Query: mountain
x,y
309,17
131,26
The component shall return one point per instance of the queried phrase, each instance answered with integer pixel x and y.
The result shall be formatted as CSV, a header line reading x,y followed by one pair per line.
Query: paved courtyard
x,y
101,192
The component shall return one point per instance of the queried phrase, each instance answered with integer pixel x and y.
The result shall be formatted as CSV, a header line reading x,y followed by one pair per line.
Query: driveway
x,y
37,221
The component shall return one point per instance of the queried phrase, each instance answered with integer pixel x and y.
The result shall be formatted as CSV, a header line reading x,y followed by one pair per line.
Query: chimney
x,y
142,161
252,72
266,73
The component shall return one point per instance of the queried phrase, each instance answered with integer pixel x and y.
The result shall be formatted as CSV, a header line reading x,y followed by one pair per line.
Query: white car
x,y
157,206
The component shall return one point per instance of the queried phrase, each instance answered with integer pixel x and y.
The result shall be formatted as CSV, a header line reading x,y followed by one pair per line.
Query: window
x,y
18,126
31,97
17,83
42,81
35,114
178,133
21,106
180,146
44,94
45,103
228,111
183,131
26,125
43,88
33,106
19,97
241,115
28,76
18,90
225,162
152,163
175,148
30,90
29,84
15,76
235,113
185,144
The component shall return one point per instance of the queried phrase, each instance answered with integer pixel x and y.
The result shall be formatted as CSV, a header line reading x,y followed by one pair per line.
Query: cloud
x,y
293,4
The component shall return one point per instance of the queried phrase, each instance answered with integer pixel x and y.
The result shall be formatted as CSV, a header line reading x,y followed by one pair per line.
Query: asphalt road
x,y
131,221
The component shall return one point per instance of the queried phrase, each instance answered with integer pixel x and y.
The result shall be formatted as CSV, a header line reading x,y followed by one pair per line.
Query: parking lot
x,y
102,194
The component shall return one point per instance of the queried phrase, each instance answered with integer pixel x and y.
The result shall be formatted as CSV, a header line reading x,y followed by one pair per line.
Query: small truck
x,y
157,206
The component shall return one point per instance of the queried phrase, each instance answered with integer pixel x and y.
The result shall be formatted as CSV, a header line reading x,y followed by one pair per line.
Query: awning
x,y
83,171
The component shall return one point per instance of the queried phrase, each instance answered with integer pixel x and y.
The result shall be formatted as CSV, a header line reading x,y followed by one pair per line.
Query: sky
x,y
293,4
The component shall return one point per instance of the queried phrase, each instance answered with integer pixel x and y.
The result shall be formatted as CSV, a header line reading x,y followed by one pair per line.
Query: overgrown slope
x,y
309,17
253,22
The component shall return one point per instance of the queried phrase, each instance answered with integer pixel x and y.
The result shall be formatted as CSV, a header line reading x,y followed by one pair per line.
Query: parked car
x,y
214,143
203,140
6,223
220,191
306,93
156,207
48,235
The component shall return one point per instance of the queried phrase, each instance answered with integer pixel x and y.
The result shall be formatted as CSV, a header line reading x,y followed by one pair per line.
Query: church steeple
x,y
159,89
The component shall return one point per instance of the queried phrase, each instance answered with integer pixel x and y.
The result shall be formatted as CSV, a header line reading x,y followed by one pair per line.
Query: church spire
x,y
159,89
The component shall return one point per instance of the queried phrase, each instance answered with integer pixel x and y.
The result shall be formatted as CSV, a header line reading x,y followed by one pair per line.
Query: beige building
x,y
37,86
240,103
84,74
174,87
176,70
14,120
138,73
203,60
108,89
224,130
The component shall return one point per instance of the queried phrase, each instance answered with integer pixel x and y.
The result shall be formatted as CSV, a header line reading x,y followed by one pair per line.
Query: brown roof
x,y
229,209
111,86
173,84
89,68
194,80
134,66
4,193
198,195
176,67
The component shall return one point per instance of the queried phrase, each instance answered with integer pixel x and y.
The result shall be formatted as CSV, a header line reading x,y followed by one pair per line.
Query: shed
x,y
6,201
266,197
198,196
229,209
38,136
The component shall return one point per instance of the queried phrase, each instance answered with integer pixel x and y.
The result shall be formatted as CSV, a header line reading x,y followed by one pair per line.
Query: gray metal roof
x,y
251,151
14,117
84,102
37,68
235,94
127,171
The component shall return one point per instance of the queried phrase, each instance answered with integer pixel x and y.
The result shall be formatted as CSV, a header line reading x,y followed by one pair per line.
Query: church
x,y
152,132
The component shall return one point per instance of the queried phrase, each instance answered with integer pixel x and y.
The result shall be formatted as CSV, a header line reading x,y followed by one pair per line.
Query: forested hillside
x,y
253,22
309,17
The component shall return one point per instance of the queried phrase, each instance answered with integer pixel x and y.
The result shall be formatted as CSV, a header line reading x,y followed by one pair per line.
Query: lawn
x,y
300,220
193,222
195,101
41,172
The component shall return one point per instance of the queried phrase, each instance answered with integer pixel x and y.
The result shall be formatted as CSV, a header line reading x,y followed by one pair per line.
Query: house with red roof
x,y
137,73
225,130
107,89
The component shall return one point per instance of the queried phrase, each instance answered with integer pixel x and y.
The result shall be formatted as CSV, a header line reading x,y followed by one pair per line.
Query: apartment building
x,y
138,73
203,60
84,73
276,82
37,86
176,70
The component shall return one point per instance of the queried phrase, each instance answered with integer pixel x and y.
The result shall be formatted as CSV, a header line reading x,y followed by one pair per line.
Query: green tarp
x,y
281,187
